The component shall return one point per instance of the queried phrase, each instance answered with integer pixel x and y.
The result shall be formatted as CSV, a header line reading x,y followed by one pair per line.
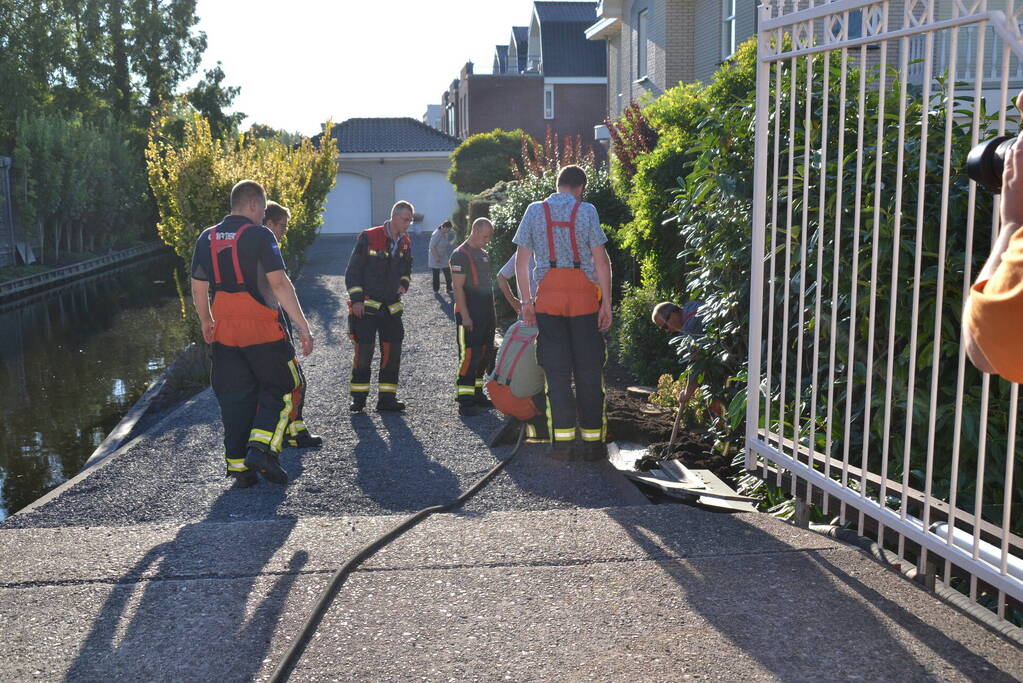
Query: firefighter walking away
x,y
255,374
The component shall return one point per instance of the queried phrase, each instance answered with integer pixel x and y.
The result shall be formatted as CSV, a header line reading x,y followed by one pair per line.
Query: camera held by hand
x,y
986,161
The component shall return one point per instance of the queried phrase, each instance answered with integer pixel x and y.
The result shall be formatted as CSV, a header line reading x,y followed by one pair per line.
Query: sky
x,y
300,62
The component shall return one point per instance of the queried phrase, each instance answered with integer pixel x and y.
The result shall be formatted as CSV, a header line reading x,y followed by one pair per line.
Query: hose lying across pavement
x,y
284,669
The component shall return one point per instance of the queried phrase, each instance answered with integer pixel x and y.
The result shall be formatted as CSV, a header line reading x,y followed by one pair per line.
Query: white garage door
x,y
431,194
347,208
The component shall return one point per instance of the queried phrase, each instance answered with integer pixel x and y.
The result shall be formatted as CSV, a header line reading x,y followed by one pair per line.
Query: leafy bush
x,y
192,182
485,159
640,346
677,118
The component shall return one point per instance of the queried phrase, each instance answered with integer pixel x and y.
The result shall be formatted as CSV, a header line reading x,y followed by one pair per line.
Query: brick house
x,y
382,161
652,45
549,74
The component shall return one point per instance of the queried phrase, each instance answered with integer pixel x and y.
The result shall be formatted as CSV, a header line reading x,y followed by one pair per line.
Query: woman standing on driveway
x,y
441,246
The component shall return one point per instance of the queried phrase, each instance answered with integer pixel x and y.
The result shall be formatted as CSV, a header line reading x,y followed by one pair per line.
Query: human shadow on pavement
x,y
447,305
196,607
397,473
320,286
765,596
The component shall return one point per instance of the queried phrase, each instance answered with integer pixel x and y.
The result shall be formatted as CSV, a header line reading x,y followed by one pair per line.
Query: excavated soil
x,y
630,420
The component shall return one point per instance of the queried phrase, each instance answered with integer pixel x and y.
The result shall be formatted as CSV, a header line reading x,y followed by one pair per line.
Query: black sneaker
x,y
244,479
305,440
357,405
391,405
267,465
468,410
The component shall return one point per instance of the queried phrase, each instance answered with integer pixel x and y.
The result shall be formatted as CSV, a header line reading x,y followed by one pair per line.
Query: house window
x,y
641,37
727,29
855,23
548,101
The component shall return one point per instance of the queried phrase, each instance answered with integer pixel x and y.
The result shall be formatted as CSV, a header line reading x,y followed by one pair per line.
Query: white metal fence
x,y
866,237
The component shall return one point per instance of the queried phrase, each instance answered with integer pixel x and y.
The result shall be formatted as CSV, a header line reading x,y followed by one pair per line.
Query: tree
x,y
191,181
485,159
210,98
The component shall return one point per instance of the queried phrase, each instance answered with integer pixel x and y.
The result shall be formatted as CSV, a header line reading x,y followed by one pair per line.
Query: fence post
x,y
7,207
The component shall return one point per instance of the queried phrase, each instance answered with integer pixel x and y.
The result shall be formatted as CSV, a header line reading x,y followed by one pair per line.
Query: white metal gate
x,y
866,237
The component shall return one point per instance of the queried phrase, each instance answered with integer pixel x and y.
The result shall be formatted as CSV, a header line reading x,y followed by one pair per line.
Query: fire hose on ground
x,y
296,649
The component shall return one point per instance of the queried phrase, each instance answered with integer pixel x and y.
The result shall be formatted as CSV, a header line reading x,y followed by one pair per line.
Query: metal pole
x,y
8,217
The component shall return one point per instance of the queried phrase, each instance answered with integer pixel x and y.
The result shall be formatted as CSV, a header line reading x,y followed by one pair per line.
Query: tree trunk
x,y
69,232
42,242
81,236
56,241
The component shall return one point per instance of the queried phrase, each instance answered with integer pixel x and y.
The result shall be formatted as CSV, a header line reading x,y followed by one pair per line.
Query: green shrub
x,y
640,346
485,159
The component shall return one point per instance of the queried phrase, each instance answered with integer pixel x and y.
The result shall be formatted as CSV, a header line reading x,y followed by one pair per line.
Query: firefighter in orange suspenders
x,y
378,273
572,307
277,218
474,316
254,371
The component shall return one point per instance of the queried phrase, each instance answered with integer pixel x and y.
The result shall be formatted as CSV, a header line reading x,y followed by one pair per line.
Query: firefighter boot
x,y
266,464
244,479
390,404
358,403
302,438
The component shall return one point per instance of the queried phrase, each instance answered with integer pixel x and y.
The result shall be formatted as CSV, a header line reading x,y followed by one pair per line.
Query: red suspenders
x,y
218,245
570,224
472,265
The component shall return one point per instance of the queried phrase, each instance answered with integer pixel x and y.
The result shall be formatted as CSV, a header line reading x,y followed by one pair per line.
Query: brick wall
x,y
508,102
577,109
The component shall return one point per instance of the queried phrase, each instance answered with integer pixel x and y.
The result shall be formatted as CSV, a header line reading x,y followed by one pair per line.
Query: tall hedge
x,y
77,185
678,117
485,159
192,182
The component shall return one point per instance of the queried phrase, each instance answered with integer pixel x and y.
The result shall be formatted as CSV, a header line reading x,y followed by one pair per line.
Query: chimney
x,y
467,69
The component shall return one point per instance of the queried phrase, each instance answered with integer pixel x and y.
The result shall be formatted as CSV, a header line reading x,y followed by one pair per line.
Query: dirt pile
x,y
631,419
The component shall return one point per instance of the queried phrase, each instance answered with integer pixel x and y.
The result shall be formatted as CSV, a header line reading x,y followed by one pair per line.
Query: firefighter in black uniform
x,y
277,218
254,370
378,273
474,317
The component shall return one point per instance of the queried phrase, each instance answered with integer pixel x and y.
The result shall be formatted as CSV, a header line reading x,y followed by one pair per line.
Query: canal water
x,y
75,360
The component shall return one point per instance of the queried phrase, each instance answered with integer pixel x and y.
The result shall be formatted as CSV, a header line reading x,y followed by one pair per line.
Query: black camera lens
x,y
986,162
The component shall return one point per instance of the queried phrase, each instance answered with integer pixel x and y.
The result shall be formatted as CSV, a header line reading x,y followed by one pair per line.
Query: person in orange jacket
x,y
993,313
255,374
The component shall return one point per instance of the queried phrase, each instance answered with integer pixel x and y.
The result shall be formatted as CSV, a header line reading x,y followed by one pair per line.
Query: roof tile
x,y
389,135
